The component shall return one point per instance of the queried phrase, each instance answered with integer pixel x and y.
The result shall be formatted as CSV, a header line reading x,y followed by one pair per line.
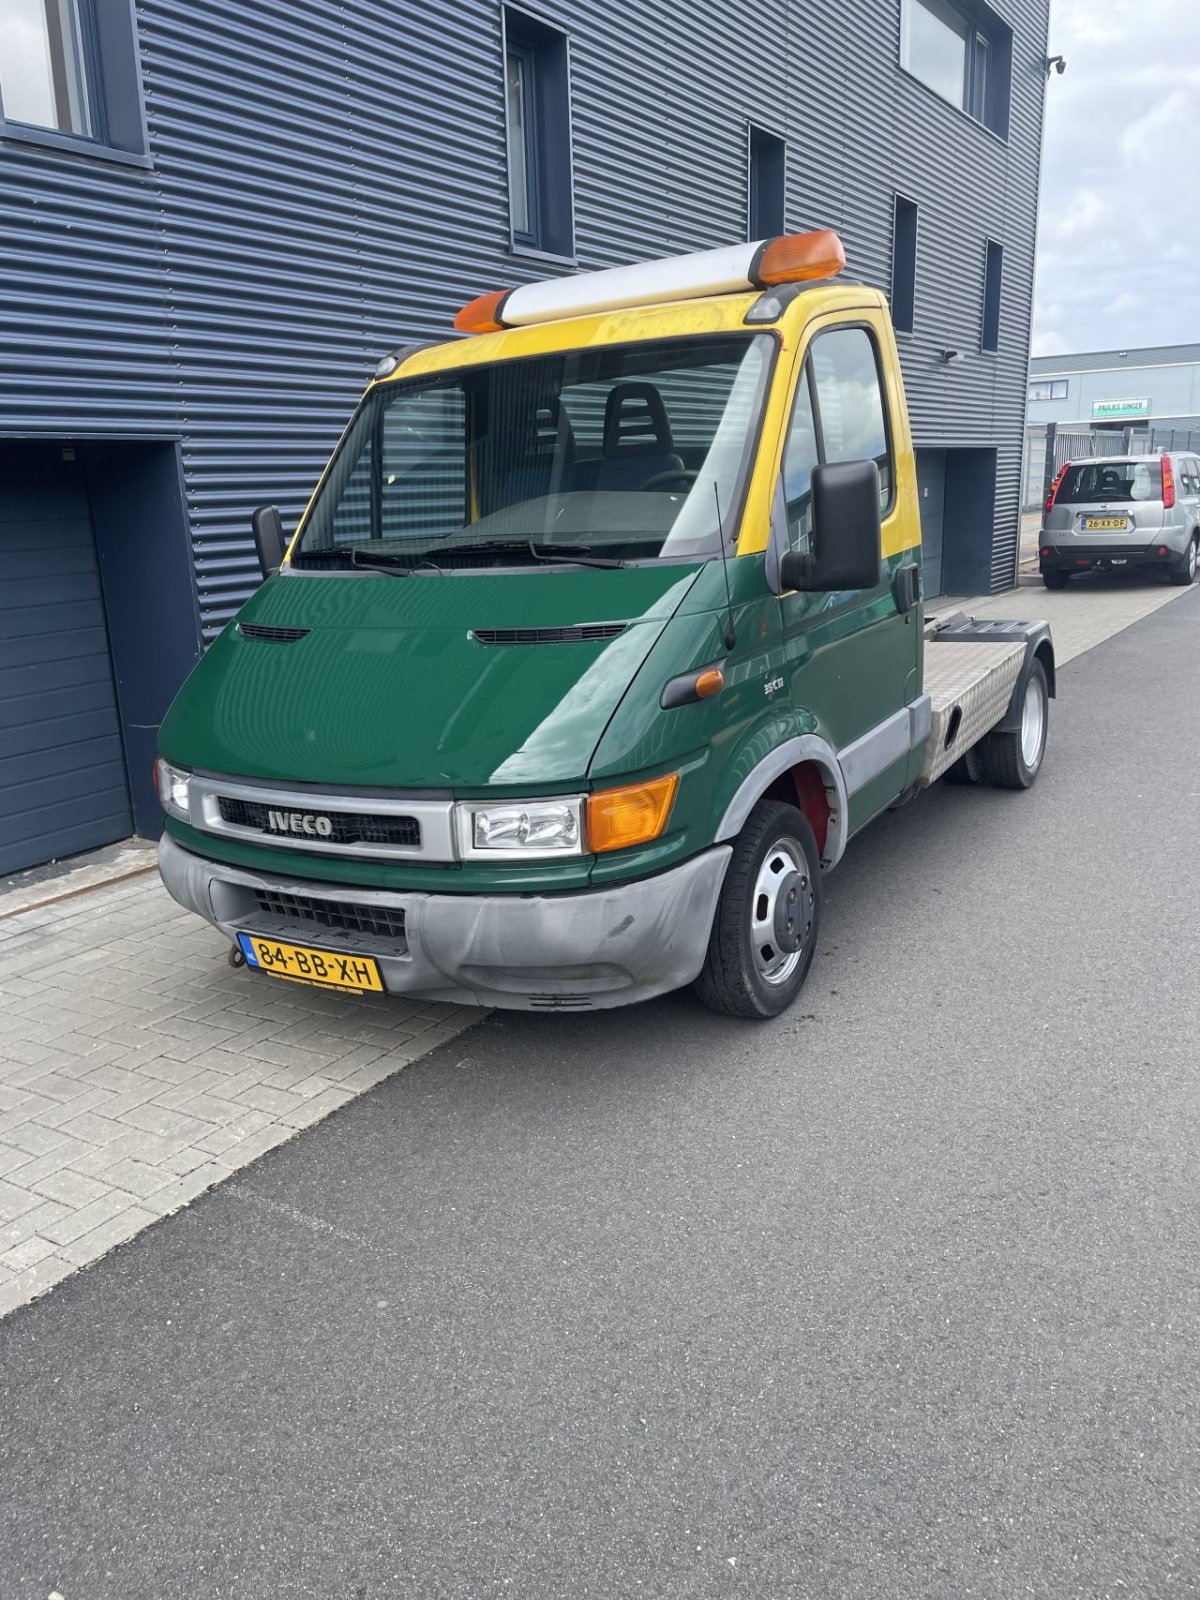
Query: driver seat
x,y
637,439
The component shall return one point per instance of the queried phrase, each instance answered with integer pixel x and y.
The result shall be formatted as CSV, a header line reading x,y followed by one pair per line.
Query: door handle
x,y
906,587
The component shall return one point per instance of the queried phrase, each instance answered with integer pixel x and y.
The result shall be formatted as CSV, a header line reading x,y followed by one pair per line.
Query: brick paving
x,y
137,1069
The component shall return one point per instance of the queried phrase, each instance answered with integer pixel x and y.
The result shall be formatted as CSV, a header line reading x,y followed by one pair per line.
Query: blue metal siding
x,y
328,182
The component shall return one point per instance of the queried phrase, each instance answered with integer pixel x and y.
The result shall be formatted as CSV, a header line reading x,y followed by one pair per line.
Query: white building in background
x,y
1156,389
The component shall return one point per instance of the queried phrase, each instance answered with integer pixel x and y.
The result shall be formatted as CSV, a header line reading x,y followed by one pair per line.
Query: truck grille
x,y
345,827
339,916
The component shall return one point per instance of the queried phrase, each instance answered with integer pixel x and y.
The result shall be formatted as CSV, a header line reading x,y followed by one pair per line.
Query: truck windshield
x,y
625,453
1111,480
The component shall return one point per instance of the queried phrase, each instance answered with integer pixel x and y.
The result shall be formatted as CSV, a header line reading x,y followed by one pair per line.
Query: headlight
x,y
172,785
520,829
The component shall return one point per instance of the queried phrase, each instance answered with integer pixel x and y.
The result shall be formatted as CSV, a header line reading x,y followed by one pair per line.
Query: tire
x,y
1187,572
1013,760
1053,579
775,856
964,771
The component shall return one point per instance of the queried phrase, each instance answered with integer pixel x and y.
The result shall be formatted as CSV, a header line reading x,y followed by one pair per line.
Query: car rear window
x,y
1112,480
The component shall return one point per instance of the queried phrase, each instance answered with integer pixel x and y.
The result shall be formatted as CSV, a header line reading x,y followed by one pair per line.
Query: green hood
x,y
391,687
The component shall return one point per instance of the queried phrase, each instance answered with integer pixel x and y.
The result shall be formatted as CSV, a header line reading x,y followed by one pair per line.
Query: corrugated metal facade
x,y
327,182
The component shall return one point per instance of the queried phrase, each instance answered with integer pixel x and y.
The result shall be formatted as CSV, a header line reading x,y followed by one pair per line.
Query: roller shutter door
x,y
931,488
63,784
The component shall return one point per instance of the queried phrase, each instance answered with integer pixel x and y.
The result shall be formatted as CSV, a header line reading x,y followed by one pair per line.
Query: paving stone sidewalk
x,y
137,1069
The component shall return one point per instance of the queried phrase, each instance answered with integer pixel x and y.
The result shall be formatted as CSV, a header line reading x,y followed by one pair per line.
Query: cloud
x,y
1049,344
1116,247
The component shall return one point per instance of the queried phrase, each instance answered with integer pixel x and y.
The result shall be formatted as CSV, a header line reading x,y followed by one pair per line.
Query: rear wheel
x,y
765,929
1013,760
1187,572
1053,579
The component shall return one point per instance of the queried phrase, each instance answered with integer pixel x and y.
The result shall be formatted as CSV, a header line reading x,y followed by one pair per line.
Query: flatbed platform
x,y
972,669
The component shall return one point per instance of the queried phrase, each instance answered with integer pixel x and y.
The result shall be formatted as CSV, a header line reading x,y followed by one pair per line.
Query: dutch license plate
x,y
301,964
1099,524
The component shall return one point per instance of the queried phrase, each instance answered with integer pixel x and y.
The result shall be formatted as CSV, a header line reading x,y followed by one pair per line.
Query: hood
x,y
422,682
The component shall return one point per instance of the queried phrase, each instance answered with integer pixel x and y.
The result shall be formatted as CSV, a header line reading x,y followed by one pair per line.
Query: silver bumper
x,y
597,948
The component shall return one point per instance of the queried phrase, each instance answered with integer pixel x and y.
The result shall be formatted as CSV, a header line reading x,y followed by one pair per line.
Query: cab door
x,y
853,655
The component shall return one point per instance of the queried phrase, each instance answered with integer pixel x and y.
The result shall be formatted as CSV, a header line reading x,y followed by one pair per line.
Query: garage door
x,y
63,787
931,488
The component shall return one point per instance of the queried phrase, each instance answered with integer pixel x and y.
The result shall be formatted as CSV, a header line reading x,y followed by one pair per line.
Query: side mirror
x,y
847,531
268,538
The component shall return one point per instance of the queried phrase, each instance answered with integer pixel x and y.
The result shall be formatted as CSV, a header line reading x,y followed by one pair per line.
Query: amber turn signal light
x,y
795,257
482,315
618,818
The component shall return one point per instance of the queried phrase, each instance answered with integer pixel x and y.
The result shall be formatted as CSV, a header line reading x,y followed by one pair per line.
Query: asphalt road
x,y
896,1297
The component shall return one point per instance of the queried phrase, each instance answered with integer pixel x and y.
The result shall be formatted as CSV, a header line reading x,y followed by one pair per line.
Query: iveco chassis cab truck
x,y
599,640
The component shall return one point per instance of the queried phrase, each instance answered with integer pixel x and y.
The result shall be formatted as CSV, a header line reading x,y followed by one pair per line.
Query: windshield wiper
x,y
578,554
380,564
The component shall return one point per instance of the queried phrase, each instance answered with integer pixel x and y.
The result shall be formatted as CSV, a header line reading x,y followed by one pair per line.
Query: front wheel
x,y
1187,572
1013,760
765,929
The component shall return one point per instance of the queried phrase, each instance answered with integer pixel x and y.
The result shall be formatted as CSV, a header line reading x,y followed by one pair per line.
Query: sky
x,y
1119,238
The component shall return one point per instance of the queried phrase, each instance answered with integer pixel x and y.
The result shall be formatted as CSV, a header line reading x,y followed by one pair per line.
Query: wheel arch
x,y
803,771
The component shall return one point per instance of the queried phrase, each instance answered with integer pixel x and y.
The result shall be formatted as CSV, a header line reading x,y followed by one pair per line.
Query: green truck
x,y
600,638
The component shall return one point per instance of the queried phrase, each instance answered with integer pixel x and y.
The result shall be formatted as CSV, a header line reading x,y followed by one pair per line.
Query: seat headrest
x,y
635,421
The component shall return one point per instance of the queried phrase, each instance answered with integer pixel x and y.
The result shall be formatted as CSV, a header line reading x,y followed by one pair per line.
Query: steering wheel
x,y
674,476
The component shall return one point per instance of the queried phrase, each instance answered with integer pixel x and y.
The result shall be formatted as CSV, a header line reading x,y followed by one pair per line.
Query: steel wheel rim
x,y
782,862
1033,723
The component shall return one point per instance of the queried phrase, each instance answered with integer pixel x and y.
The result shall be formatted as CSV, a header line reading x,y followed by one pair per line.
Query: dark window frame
x,y
993,296
766,167
1060,389
988,49
110,64
906,226
545,53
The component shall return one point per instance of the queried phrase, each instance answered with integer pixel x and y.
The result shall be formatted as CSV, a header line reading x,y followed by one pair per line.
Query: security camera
x,y
1059,64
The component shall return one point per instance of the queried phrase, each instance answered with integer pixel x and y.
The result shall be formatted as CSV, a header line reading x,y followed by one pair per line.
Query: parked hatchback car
x,y
1112,512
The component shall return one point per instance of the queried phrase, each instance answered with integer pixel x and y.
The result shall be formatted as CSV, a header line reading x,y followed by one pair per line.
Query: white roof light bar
x,y
791,258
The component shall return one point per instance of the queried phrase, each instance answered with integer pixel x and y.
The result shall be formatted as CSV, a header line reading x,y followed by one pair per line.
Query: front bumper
x,y
589,950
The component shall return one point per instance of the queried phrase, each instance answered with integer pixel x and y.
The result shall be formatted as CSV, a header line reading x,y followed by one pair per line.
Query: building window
x,y
962,52
538,114
904,265
42,74
993,274
1049,389
767,184
69,74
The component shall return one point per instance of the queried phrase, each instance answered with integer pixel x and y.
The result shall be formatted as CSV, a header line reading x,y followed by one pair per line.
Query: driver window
x,y
799,458
850,403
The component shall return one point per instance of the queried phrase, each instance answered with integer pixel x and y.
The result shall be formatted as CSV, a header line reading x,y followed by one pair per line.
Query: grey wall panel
x,y
329,182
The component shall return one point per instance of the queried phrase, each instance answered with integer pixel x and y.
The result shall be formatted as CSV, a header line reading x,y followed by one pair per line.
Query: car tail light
x,y
1168,483
1056,485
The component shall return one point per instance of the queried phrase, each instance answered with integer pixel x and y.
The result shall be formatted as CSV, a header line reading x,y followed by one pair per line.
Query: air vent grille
x,y
259,630
585,633
341,916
